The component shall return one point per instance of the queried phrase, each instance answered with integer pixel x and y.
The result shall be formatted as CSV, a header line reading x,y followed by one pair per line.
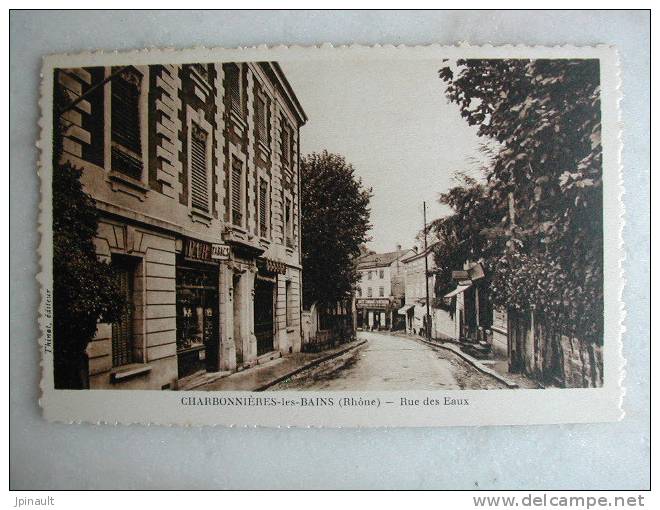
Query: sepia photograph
x,y
331,220
328,226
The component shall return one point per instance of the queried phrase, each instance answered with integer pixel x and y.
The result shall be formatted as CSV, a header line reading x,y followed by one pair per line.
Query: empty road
x,y
389,362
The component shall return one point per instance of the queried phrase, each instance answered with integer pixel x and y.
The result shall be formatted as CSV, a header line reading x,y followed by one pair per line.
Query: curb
x,y
472,361
309,365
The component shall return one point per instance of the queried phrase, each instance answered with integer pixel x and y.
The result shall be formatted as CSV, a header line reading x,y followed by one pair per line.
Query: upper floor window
x,y
125,122
289,304
286,144
237,192
359,292
369,275
234,88
381,291
262,119
288,223
369,292
381,274
263,207
202,70
199,182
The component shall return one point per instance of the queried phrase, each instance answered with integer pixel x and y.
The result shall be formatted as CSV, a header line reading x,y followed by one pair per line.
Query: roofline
x,y
369,265
302,116
421,253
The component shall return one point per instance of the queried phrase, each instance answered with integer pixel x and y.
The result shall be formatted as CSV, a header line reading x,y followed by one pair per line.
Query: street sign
x,y
220,252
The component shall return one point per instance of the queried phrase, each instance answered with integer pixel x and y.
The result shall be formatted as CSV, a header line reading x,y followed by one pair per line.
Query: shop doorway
x,y
263,314
197,338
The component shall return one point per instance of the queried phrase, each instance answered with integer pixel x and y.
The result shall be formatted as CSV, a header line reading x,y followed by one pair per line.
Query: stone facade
x,y
442,322
380,290
195,172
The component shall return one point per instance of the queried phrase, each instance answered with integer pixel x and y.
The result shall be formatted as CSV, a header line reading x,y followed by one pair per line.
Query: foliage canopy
x,y
85,289
334,225
537,220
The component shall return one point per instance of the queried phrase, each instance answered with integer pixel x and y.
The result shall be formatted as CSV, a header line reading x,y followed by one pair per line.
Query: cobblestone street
x,y
388,362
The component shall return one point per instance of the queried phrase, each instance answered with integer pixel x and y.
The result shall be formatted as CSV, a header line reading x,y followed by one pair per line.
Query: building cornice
x,y
274,71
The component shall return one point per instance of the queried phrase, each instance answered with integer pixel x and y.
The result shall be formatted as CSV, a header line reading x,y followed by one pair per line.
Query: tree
x,y
335,223
545,116
85,289
471,232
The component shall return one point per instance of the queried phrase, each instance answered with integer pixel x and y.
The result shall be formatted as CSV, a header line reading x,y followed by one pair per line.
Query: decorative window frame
x,y
119,181
288,230
239,118
140,364
202,84
261,94
197,117
234,153
285,127
261,175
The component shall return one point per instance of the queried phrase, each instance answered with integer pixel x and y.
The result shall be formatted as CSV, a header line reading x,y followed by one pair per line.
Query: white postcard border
x,y
487,407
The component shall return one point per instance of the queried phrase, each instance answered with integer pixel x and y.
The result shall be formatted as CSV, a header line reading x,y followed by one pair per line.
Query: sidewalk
x,y
264,376
495,367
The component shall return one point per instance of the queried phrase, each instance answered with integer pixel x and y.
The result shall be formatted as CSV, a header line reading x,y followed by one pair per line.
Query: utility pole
x,y
427,326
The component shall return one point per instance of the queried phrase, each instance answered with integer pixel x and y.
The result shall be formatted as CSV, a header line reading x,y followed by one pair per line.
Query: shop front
x,y
265,303
373,314
197,307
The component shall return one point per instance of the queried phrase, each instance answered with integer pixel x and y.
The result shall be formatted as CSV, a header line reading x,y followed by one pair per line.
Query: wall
x,y
551,357
155,307
375,283
415,270
342,327
444,325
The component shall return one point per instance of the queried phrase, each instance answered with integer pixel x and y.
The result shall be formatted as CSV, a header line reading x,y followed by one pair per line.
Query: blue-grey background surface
x,y
45,456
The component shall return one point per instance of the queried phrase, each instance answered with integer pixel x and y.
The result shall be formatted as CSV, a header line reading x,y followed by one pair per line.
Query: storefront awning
x,y
458,290
404,309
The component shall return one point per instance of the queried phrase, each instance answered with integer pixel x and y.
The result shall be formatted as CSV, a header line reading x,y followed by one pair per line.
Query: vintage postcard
x,y
332,237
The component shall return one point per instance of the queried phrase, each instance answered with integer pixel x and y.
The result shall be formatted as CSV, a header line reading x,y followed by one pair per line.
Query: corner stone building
x,y
195,172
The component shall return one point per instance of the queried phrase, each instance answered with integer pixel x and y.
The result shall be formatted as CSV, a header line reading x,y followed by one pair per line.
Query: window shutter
x,y
263,207
262,120
286,144
289,240
122,330
198,169
125,123
236,187
233,74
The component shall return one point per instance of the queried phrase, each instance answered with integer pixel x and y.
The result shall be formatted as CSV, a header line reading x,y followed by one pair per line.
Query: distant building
x,y
381,289
195,172
443,324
